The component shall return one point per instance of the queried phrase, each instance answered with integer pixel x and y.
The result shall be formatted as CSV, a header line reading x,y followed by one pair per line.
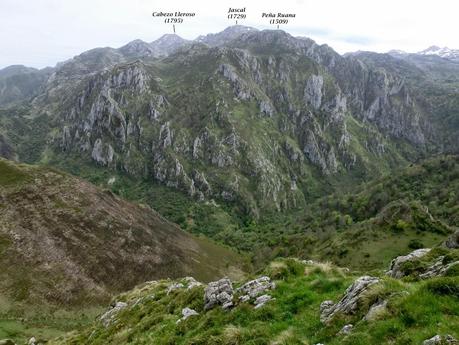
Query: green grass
x,y
43,322
10,175
416,311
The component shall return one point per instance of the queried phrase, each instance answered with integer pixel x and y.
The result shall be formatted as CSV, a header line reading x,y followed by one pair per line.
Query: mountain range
x,y
177,112
268,144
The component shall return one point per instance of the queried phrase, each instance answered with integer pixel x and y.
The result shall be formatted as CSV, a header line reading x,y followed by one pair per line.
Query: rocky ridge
x,y
311,112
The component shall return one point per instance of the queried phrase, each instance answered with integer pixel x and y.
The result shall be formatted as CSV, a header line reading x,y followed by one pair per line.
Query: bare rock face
x,y
219,293
313,91
395,270
102,153
349,303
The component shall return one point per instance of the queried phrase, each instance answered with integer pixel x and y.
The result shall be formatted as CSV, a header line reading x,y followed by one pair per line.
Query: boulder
x,y
256,287
346,329
349,303
7,342
453,241
174,286
262,300
376,310
192,283
219,293
108,317
186,313
395,269
439,340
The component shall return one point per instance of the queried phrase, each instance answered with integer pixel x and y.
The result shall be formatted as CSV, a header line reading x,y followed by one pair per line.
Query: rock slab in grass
x,y
256,287
347,329
109,316
395,270
186,313
262,300
349,303
7,342
376,310
439,340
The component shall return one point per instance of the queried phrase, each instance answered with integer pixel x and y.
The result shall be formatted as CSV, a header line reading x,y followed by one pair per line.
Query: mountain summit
x,y
445,52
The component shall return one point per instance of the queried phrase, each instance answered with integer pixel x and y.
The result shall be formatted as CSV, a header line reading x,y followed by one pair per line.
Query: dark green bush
x,y
415,244
444,286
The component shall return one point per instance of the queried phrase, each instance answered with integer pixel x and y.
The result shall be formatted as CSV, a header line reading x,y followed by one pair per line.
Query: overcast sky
x,y
40,33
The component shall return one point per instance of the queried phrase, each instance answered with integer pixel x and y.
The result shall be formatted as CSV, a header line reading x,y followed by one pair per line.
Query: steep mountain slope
x,y
285,116
251,120
19,83
365,229
435,82
65,241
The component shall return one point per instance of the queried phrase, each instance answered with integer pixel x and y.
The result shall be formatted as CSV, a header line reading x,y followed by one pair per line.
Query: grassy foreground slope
x,y
416,310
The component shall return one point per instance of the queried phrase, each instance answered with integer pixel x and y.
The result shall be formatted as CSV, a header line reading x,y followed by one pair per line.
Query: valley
x,y
135,179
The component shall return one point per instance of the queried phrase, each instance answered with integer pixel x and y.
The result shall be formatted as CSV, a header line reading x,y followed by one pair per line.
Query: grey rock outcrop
x,y
174,286
453,241
255,287
376,311
313,91
347,329
7,342
349,303
186,313
102,153
219,293
438,268
262,300
192,283
395,269
108,317
439,340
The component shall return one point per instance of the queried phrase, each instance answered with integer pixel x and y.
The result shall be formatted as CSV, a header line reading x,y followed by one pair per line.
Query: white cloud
x,y
42,32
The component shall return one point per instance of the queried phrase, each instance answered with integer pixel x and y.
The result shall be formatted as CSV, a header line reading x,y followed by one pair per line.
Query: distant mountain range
x,y
446,53
286,116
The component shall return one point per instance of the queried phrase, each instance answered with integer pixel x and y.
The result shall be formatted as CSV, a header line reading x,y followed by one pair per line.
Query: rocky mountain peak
x,y
137,48
167,44
445,52
225,36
